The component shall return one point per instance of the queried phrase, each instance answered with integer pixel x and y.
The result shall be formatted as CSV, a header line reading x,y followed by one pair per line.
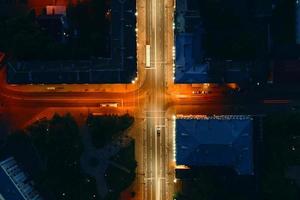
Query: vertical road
x,y
154,110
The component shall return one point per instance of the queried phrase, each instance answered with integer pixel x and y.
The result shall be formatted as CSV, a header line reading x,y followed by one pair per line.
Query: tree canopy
x,y
105,128
58,144
281,145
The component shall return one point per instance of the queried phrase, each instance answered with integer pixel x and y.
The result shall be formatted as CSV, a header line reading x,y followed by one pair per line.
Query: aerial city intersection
x,y
197,95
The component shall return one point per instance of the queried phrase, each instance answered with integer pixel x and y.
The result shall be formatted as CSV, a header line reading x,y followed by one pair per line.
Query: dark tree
x,y
105,128
281,133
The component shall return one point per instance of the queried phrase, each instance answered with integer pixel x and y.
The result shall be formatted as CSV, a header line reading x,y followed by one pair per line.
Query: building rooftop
x,y
120,67
14,182
192,51
215,141
39,5
57,10
286,71
293,172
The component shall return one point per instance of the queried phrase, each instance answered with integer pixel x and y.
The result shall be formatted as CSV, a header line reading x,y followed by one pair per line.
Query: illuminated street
x,y
152,98
148,99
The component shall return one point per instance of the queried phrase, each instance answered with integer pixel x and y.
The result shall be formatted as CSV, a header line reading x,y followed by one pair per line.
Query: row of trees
x,y
105,128
121,171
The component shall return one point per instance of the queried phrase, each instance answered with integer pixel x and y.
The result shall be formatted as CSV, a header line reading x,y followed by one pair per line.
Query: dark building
x,y
286,72
39,5
119,67
14,182
212,35
215,141
285,40
215,156
9,8
55,25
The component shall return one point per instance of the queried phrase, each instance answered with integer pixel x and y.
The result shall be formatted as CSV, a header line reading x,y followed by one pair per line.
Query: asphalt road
x,y
155,143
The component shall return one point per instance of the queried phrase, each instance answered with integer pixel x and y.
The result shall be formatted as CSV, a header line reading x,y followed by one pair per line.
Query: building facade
x,y
15,185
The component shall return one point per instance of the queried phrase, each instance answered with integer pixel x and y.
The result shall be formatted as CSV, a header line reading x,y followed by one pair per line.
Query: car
x,y
108,105
158,131
51,88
